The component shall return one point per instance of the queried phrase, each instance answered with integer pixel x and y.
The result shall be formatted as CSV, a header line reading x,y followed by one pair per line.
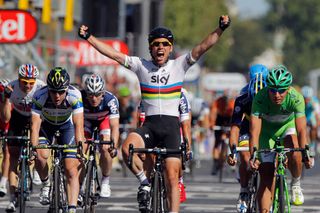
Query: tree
x,y
301,21
192,20
250,40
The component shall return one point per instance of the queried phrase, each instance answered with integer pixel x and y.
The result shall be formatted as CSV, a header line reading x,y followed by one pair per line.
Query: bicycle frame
x,y
281,198
25,181
92,189
59,197
158,198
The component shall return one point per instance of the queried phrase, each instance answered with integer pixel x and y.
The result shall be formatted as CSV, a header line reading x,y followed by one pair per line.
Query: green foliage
x,y
192,20
301,19
250,40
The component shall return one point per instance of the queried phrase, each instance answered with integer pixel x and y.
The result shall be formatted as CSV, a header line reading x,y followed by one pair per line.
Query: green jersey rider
x,y
278,111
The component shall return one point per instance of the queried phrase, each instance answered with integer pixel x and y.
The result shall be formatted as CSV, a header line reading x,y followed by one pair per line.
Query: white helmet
x,y
307,91
28,71
94,84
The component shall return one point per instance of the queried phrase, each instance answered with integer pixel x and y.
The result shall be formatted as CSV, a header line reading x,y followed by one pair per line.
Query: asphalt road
x,y
204,193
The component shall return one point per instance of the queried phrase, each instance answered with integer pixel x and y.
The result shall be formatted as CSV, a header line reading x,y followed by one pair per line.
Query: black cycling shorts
x,y
161,131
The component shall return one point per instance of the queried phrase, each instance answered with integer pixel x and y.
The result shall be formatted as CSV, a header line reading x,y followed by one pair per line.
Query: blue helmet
x,y
256,69
256,84
307,91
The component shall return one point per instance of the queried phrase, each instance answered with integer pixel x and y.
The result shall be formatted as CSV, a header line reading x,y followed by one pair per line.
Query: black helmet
x,y
160,32
58,79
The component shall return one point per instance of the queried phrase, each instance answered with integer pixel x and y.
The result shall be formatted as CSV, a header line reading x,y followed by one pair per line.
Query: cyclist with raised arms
x,y
312,116
17,111
239,133
101,109
161,80
58,107
278,111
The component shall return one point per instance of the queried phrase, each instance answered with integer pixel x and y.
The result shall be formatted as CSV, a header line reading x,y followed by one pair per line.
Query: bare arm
x,y
301,127
186,131
103,48
255,129
35,128
78,126
234,135
211,39
114,125
5,111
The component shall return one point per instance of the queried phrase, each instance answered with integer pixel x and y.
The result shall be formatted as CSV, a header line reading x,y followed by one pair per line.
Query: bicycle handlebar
x,y
56,146
158,151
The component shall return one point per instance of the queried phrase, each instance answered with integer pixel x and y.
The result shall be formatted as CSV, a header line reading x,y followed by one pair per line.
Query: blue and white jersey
x,y
109,106
160,86
184,107
22,102
57,115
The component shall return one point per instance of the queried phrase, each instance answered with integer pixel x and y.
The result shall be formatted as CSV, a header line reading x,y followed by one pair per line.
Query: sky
x,y
251,8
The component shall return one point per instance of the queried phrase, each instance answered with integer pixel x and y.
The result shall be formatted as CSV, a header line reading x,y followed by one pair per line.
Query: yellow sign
x,y
46,12
23,4
68,20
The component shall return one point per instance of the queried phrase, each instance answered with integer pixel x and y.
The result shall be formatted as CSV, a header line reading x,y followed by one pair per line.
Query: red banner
x,y
85,55
17,26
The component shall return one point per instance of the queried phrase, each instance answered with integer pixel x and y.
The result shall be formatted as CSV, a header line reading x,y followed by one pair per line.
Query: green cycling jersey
x,y
277,120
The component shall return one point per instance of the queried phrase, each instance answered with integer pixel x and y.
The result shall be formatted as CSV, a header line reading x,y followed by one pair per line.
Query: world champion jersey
x,y
22,101
57,115
160,86
292,107
184,107
109,106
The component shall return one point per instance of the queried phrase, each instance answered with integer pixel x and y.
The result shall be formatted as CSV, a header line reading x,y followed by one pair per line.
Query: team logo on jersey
x,y
113,106
237,109
157,79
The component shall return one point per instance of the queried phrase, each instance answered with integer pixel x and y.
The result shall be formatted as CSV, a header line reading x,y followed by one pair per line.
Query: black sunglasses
x,y
60,92
274,91
164,43
95,94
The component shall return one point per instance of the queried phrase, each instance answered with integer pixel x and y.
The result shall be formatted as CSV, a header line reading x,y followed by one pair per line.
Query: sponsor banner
x,y
85,55
17,26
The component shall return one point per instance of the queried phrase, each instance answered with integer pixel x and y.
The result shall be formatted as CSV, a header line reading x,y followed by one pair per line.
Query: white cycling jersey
x,y
160,86
22,101
57,115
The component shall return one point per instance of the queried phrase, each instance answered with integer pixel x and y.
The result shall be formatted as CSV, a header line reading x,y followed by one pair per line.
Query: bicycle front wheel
x,y
155,193
90,190
22,186
281,195
279,199
55,195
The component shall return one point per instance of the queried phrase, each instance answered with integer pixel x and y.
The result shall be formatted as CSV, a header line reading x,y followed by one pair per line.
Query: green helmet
x,y
279,77
124,91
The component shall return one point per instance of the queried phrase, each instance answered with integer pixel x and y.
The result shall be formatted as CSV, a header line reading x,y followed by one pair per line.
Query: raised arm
x,y
103,48
211,39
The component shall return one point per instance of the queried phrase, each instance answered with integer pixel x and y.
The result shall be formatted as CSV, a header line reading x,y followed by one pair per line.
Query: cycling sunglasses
x,y
95,94
60,92
27,81
280,91
157,43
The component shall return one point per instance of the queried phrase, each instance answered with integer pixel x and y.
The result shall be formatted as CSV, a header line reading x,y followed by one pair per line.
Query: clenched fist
x,y
84,32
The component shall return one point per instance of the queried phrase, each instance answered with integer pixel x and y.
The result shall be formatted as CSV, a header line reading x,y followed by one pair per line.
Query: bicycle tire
x,y
163,195
155,193
22,187
56,194
253,188
87,195
281,194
